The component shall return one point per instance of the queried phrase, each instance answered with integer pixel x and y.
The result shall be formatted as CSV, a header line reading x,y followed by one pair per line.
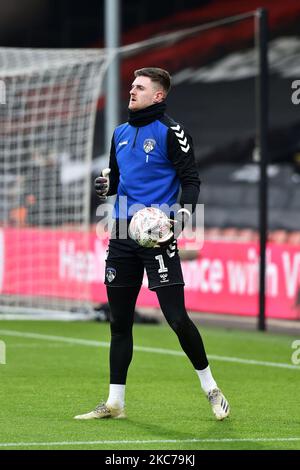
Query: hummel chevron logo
x,y
171,249
185,147
180,135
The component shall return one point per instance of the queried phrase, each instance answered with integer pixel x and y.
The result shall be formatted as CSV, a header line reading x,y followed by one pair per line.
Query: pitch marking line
x,y
87,342
152,441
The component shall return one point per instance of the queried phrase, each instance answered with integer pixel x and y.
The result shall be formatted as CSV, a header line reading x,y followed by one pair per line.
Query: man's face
x,y
144,93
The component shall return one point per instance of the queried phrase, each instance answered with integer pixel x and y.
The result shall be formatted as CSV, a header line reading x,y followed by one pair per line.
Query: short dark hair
x,y
156,74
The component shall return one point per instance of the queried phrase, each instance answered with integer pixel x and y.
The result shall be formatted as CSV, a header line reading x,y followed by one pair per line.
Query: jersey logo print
x,y
149,145
110,274
171,249
185,147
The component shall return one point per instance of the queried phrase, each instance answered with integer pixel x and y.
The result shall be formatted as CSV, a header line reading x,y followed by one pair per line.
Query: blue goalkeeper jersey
x,y
151,157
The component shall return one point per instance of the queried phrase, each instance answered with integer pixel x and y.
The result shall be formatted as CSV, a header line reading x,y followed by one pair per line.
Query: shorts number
x,y
162,267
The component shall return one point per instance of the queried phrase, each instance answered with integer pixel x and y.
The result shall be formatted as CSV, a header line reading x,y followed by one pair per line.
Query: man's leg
x,y
171,299
122,304
123,278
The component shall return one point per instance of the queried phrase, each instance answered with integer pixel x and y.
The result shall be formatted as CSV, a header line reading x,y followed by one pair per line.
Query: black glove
x,y
167,241
102,184
180,221
177,226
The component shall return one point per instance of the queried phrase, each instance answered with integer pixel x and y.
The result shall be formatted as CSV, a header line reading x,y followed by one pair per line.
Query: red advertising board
x,y
222,279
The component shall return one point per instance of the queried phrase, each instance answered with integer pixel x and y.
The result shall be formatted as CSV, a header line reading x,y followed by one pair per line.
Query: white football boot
x,y
103,411
219,404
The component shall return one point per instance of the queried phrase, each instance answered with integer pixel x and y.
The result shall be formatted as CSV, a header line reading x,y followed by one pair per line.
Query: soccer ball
x,y
149,225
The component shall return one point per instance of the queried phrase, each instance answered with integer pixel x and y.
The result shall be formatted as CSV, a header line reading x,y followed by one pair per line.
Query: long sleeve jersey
x,y
151,157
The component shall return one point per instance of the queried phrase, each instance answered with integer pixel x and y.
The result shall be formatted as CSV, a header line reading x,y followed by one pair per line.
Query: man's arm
x,y
181,154
107,183
114,176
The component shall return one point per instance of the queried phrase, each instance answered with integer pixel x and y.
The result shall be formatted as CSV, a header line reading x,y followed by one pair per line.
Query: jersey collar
x,y
145,116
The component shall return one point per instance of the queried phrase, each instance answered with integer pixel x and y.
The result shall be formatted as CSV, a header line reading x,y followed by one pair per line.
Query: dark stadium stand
x,y
220,114
230,195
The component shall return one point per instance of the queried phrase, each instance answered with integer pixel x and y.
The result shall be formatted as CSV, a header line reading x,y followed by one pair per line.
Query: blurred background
x,y
54,115
54,109
214,96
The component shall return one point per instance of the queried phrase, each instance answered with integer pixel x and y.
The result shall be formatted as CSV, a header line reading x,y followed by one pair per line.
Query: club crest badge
x,y
110,274
149,145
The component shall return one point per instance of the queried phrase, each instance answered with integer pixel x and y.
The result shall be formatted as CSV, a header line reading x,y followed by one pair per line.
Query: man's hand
x,y
102,184
165,242
178,224
180,221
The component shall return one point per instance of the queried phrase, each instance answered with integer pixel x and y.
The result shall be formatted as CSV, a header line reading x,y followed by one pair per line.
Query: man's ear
x,y
158,97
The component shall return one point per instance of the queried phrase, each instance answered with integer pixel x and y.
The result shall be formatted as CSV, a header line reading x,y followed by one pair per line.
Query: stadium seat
x,y
294,238
213,234
248,235
230,234
278,236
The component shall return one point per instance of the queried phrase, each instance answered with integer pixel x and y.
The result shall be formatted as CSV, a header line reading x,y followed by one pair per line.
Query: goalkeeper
x,y
151,157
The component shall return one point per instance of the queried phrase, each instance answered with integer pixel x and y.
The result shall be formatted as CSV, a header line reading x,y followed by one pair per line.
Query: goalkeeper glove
x,y
102,184
178,224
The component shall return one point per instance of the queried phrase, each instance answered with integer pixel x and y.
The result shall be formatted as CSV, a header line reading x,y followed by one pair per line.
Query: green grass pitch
x,y
46,381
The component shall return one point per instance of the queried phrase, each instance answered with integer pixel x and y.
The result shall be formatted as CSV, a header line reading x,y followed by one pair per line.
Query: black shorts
x,y
126,262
